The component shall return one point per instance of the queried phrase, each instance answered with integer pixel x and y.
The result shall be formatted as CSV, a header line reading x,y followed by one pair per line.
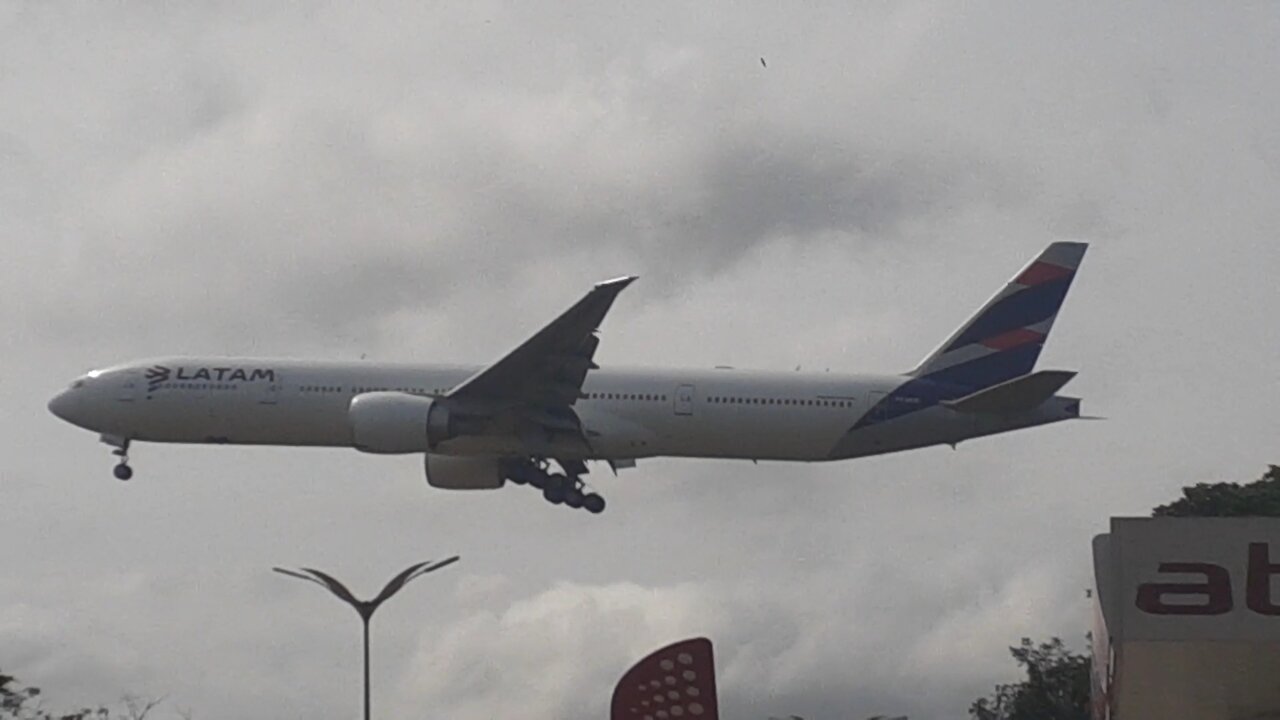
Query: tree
x,y
23,703
1057,684
1056,688
1260,498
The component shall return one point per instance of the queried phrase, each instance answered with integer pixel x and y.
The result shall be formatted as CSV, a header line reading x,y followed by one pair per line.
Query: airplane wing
x,y
548,369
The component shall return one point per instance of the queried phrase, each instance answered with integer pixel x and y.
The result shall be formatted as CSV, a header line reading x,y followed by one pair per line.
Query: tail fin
x,y
1004,339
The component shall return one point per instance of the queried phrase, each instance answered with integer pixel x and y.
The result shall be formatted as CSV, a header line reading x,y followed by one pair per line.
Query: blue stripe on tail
x,y
1021,309
1001,342
991,369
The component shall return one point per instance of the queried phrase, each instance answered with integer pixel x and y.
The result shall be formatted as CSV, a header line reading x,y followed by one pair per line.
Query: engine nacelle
x,y
463,473
396,422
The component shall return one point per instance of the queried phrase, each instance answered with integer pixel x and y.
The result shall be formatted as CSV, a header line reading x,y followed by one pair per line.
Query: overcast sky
x,y
421,183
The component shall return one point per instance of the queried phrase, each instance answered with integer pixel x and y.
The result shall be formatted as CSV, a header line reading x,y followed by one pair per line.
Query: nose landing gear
x,y
122,471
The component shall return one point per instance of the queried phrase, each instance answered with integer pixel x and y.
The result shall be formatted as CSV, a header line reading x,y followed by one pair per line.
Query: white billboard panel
x,y
1194,579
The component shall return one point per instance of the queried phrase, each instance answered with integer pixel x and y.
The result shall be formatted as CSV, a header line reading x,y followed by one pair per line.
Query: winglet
x,y
617,283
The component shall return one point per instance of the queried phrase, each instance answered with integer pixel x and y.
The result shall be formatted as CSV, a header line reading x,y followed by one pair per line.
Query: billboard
x,y
1191,579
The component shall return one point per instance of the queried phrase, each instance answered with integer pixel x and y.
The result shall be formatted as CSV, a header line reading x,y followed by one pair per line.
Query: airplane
x,y
547,401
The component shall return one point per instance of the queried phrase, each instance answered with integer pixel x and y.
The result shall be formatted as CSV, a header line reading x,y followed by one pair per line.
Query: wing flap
x,y
1018,394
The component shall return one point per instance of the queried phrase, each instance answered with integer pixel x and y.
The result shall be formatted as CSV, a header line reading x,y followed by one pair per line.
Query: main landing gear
x,y
557,488
122,471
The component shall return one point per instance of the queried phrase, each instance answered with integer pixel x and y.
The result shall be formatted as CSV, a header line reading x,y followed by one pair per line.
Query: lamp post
x,y
365,608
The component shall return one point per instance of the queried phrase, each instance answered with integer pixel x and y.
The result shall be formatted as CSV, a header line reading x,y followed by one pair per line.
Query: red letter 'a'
x,y
1258,592
1216,589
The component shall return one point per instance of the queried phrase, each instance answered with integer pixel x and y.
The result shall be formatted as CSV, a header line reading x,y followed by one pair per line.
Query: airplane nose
x,y
61,404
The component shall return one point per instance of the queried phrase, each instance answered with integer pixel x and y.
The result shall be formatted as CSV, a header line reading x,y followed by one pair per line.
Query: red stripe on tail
x,y
1042,272
1013,339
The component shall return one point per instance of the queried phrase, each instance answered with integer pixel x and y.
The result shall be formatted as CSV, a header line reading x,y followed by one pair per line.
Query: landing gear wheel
x,y
553,495
573,498
122,471
593,503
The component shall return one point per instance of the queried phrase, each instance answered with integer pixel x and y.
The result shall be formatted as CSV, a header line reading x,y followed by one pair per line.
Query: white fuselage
x,y
627,413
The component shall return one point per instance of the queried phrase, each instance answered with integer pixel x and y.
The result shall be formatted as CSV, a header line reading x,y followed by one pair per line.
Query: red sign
x,y
677,682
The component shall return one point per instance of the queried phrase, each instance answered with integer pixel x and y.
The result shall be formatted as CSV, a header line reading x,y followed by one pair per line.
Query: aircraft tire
x,y
593,503
122,472
553,495
573,498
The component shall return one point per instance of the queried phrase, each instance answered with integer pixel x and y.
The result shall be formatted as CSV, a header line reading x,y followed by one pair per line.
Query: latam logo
x,y
159,374
1213,596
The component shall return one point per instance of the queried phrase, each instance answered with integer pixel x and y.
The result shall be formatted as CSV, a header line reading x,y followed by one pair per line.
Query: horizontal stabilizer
x,y
1021,393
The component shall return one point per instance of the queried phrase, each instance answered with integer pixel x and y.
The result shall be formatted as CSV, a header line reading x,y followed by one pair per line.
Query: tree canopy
x,y
1057,684
18,702
1260,498
1056,688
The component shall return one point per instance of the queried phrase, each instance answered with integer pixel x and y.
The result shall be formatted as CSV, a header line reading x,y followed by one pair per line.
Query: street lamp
x,y
365,608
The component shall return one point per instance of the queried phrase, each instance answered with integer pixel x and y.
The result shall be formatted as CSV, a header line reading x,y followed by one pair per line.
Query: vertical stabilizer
x,y
1004,339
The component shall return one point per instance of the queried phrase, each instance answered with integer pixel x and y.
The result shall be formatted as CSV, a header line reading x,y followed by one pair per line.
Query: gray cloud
x,y
424,183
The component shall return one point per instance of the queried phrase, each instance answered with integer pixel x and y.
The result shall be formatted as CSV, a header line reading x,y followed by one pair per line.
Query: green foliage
x,y
1260,498
23,703
1056,688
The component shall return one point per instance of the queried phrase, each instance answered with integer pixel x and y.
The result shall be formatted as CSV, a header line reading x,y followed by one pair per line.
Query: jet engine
x,y
453,472
396,422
